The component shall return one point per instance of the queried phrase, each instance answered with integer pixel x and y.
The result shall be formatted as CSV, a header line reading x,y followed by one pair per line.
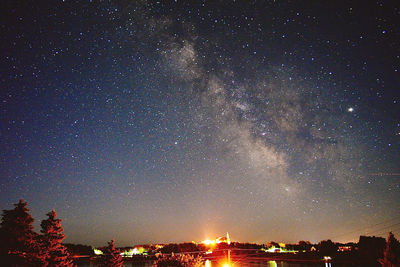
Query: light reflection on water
x,y
274,264
237,264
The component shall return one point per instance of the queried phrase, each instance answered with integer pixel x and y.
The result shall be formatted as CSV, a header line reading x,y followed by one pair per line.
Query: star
x,y
170,108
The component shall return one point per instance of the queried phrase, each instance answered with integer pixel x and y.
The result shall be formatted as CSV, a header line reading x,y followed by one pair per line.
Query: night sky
x,y
171,121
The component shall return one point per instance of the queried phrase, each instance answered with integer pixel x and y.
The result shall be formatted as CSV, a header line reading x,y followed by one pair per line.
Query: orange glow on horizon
x,y
209,242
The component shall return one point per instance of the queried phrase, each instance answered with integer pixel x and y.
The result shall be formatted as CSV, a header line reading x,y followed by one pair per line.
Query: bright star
x,y
350,109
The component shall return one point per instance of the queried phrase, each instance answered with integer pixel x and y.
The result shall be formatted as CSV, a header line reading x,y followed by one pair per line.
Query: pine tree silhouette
x,y
57,254
19,244
112,257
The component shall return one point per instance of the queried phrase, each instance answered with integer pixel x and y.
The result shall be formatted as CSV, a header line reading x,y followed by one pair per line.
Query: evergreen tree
x,y
57,254
19,243
391,255
112,257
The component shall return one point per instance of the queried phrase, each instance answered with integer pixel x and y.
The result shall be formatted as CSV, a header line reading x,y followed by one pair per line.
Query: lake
x,y
239,264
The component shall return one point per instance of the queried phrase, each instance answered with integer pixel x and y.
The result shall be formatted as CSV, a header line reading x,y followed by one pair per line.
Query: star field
x,y
170,121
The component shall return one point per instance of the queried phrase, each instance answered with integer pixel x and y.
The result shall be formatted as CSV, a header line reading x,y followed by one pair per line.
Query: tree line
x,y
21,246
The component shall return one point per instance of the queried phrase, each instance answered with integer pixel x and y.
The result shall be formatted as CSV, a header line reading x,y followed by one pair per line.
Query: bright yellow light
x,y
97,251
271,249
219,240
282,245
273,264
226,265
134,251
208,263
208,242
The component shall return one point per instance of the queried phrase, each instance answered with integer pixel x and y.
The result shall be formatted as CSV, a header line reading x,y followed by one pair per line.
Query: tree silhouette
x,y
57,254
391,255
370,248
327,247
19,243
304,245
112,257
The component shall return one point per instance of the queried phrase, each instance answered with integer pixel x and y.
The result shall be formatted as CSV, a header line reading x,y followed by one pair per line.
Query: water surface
x,y
240,264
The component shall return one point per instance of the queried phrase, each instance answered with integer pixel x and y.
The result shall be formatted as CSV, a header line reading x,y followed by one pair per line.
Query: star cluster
x,y
168,121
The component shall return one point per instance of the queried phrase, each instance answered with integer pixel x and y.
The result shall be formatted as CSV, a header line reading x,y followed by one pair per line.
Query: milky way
x,y
146,121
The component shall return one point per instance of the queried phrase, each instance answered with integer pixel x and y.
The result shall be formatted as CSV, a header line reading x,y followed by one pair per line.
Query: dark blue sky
x,y
171,121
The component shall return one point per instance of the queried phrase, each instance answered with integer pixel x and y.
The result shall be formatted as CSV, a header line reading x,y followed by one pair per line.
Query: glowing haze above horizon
x,y
172,121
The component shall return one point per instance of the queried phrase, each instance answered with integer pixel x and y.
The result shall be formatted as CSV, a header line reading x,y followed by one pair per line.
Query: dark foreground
x,y
242,263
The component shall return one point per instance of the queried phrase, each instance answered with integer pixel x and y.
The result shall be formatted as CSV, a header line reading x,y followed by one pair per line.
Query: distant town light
x,y
134,251
208,242
219,240
97,251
